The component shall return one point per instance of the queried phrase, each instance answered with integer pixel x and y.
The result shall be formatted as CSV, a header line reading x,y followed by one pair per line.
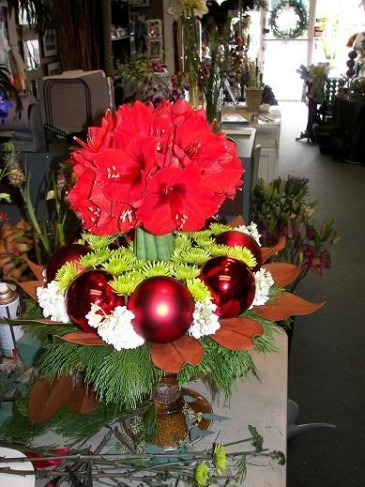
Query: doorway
x,y
285,46
330,25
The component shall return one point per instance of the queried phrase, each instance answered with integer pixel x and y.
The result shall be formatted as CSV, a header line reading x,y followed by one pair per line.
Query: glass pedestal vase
x,y
177,411
180,414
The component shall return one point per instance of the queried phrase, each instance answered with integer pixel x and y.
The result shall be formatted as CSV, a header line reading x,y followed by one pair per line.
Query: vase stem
x,y
167,396
173,428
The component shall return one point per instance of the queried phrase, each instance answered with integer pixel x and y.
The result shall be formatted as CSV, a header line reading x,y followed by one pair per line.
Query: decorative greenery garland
x,y
101,365
301,24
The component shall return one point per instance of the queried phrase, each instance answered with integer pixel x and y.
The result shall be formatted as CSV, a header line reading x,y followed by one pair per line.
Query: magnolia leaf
x,y
283,273
41,321
46,398
237,333
236,221
82,338
30,288
285,305
267,252
35,268
82,400
171,357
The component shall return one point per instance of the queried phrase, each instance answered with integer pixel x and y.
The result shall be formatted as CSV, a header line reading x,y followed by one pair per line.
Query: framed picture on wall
x,y
155,48
154,28
53,69
49,43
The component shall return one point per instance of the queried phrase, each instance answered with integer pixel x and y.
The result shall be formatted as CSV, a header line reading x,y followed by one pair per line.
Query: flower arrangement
x,y
315,77
281,207
36,232
149,82
204,73
8,94
152,288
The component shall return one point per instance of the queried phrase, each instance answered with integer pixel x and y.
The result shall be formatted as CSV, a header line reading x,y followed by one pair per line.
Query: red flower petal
x,y
170,357
237,333
285,305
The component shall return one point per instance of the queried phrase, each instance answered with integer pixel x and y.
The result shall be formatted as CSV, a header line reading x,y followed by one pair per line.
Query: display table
x,y
260,403
267,125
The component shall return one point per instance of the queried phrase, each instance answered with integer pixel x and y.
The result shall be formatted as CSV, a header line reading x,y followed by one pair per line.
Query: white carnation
x,y
263,282
250,230
115,329
52,300
205,321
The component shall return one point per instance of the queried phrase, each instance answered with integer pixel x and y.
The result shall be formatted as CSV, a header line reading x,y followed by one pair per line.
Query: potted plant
x,y
252,80
281,207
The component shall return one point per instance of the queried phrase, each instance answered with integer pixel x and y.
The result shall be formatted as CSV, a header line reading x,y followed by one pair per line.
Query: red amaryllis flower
x,y
99,138
163,169
175,198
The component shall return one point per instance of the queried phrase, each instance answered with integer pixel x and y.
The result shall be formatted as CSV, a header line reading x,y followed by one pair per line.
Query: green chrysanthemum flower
x,y
199,290
97,258
217,228
242,253
66,275
205,241
97,242
125,285
185,272
159,268
202,474
182,241
196,256
219,458
118,266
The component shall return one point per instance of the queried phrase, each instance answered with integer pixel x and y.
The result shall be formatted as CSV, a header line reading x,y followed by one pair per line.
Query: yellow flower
x,y
219,458
202,474
199,7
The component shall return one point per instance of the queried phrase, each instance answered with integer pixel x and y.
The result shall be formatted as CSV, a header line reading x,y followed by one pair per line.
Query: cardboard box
x,y
75,100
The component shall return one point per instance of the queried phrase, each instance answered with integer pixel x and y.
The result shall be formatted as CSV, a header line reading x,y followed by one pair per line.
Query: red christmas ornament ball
x,y
68,253
234,238
90,287
163,309
231,283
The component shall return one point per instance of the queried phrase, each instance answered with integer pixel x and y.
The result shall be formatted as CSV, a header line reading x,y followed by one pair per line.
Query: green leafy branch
x,y
155,467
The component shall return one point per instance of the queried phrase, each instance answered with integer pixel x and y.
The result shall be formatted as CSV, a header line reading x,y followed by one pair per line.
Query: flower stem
x,y
153,247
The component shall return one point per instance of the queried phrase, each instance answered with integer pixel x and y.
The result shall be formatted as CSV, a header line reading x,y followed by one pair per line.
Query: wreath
x,y
299,25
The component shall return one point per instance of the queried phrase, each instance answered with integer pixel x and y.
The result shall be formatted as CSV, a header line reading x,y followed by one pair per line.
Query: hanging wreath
x,y
289,19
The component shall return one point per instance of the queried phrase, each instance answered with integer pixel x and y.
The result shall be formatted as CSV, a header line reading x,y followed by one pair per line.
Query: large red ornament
x,y
68,253
90,287
234,238
163,309
231,283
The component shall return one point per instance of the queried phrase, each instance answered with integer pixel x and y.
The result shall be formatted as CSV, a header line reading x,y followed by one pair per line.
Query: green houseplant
x,y
281,207
8,92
